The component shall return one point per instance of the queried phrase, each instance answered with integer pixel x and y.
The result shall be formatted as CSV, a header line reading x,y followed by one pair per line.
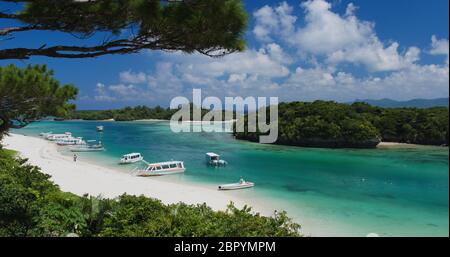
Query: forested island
x,y
359,125
124,114
132,113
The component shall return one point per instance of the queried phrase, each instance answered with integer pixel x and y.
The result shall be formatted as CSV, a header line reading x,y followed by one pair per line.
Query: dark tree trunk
x,y
4,126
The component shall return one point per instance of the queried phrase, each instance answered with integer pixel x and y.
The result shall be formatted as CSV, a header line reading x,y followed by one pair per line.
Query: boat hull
x,y
159,173
132,161
236,186
65,144
218,163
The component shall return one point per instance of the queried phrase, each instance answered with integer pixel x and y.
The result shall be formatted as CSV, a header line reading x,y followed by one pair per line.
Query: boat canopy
x,y
165,163
131,155
165,166
212,155
162,168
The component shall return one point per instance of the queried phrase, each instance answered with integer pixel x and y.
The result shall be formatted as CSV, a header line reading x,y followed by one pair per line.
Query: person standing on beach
x,y
75,158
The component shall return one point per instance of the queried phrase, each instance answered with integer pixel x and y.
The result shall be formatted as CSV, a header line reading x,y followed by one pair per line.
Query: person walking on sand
x,y
75,157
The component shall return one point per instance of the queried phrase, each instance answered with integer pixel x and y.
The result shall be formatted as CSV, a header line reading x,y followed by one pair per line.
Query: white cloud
x,y
427,81
351,8
375,57
267,62
439,47
234,78
237,74
126,92
277,54
338,38
247,73
270,19
119,92
267,22
326,32
131,77
102,94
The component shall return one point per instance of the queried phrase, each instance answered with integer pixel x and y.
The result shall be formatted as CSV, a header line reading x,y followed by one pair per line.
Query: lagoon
x,y
334,192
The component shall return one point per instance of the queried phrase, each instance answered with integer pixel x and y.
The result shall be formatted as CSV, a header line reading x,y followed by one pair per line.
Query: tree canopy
x,y
331,124
135,113
30,93
210,27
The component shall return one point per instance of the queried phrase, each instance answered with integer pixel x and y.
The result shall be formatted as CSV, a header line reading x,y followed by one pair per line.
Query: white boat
x,y
88,148
71,141
100,128
131,158
214,160
56,137
234,186
161,168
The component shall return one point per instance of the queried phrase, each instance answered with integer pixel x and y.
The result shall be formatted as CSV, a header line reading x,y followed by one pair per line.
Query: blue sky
x,y
297,50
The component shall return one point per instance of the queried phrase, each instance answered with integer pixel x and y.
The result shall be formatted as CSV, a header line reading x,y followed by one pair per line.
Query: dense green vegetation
x,y
131,113
210,27
124,114
410,125
31,205
30,93
331,124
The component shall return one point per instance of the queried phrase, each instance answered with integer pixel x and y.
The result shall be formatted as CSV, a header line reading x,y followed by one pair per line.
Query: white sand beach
x,y
398,145
82,177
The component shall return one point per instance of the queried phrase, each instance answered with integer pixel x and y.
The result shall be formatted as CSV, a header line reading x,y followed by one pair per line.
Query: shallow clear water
x,y
391,192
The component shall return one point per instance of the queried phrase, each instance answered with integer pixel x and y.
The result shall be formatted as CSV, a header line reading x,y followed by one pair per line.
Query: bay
x,y
333,192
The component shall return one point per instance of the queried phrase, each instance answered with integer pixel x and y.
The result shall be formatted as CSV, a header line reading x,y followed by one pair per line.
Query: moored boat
x,y
100,128
131,158
161,168
213,159
71,141
242,184
88,148
56,137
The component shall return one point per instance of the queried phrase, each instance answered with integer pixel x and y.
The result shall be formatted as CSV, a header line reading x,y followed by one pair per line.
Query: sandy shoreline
x,y
395,144
402,145
82,177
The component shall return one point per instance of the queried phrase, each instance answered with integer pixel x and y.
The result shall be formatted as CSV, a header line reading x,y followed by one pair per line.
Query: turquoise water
x,y
391,192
